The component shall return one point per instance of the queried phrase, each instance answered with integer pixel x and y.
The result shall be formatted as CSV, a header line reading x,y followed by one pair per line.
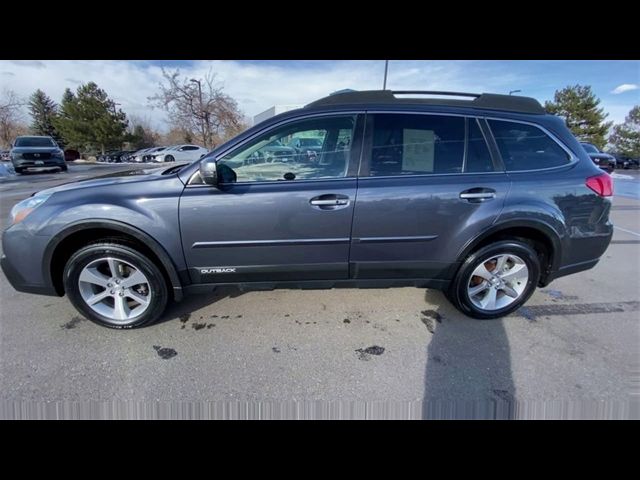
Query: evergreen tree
x,y
578,105
43,112
626,136
89,119
139,138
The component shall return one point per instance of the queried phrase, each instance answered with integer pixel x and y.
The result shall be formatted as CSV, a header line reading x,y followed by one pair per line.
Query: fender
x,y
537,224
138,234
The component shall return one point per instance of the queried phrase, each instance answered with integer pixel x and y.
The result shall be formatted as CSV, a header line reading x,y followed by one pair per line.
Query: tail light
x,y
601,184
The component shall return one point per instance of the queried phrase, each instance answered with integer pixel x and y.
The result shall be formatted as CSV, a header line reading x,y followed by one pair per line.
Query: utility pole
x,y
386,70
203,113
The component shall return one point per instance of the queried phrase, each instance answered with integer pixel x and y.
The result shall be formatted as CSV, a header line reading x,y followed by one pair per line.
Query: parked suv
x,y
36,151
484,198
605,161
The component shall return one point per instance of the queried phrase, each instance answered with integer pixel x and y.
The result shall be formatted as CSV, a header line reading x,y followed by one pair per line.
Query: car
x,y
71,155
139,156
485,198
605,161
118,156
36,152
150,155
307,147
275,151
180,153
104,157
625,161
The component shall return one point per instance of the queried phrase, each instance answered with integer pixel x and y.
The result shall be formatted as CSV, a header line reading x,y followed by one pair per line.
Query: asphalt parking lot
x,y
572,352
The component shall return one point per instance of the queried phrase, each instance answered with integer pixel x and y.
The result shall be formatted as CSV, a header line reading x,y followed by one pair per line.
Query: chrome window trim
x,y
572,157
273,182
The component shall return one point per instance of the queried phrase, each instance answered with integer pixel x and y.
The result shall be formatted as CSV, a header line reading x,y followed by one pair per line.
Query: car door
x,y
428,184
276,221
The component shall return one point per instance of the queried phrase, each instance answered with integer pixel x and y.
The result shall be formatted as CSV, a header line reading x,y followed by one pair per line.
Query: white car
x,y
180,153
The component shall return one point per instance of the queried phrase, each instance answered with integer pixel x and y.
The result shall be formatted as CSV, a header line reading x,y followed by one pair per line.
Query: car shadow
x,y
192,303
468,372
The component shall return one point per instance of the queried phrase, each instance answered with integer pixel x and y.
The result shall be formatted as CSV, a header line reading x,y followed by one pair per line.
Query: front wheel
x,y
495,280
169,158
115,286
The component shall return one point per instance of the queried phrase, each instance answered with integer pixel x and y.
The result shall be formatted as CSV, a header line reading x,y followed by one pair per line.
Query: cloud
x,y
28,63
258,85
625,87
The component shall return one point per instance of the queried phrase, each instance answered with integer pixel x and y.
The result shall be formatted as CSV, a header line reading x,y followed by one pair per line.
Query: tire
x,y
94,256
19,171
169,158
458,293
64,168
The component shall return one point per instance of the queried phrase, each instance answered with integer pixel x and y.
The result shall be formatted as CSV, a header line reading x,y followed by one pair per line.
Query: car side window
x,y
417,144
526,147
269,157
478,156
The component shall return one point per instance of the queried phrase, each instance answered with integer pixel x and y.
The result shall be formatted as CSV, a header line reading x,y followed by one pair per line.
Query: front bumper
x,y
22,261
20,284
49,162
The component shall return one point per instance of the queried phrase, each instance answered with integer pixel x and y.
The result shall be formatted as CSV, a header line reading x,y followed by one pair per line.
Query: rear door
x,y
428,184
276,216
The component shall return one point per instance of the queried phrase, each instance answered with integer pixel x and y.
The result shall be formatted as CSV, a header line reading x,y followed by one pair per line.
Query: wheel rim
x,y
115,289
498,282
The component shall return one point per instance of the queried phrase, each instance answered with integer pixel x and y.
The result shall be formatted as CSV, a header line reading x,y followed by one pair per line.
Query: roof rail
x,y
489,101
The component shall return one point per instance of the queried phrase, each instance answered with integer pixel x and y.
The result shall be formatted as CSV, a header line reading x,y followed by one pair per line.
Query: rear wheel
x,y
115,286
495,280
19,170
64,168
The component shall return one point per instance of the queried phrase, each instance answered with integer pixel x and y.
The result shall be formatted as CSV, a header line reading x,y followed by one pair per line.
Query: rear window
x,y
525,147
34,142
589,148
417,144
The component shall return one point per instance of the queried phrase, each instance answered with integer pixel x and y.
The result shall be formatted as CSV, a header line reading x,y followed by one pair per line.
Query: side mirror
x,y
209,172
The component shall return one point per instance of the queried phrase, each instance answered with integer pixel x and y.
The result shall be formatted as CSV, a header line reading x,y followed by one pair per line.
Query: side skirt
x,y
323,284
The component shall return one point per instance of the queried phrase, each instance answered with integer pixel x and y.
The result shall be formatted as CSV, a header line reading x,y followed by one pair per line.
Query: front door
x,y
277,214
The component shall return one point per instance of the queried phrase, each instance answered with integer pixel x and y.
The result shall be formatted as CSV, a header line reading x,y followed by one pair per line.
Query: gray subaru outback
x,y
483,196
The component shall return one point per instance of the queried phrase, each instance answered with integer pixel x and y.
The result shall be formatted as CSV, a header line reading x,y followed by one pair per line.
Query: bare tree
x,y
198,107
11,117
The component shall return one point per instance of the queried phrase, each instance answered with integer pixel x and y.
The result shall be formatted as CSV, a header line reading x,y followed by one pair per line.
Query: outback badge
x,y
205,271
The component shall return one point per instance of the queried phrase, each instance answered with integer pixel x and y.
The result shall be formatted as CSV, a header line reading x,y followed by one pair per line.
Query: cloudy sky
x,y
260,84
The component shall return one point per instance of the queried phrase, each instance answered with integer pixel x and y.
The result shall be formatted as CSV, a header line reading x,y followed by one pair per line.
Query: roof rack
x,y
489,101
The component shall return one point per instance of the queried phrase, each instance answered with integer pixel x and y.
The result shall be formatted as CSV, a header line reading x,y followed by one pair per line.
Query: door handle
x,y
336,201
478,194
329,200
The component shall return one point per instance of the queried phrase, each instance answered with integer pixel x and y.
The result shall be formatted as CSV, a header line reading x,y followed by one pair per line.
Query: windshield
x,y
34,142
590,148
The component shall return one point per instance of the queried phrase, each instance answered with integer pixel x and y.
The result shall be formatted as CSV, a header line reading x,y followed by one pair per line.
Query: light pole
x,y
386,70
514,91
203,113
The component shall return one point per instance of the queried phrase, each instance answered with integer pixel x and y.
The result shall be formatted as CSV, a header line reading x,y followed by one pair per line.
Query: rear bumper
x,y
568,270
